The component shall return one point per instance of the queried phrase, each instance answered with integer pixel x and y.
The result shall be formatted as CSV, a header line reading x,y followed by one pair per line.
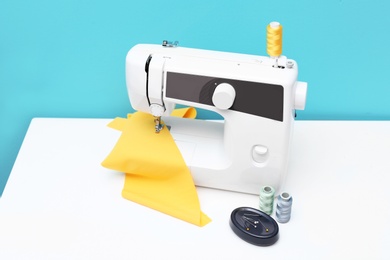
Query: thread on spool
x,y
283,207
274,39
266,204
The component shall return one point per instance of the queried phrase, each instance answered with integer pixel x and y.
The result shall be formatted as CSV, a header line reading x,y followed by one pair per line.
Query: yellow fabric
x,y
187,112
118,123
156,174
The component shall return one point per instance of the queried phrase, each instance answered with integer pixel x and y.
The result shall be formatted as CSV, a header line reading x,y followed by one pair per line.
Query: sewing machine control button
x,y
259,149
224,95
259,153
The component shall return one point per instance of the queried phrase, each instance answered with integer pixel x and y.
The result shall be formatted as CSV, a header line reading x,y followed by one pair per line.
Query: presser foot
x,y
158,126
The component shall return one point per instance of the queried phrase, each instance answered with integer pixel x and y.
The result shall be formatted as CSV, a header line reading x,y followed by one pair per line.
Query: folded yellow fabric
x,y
186,112
156,174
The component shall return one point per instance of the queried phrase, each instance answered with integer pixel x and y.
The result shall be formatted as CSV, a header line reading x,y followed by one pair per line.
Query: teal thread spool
x,y
283,207
266,204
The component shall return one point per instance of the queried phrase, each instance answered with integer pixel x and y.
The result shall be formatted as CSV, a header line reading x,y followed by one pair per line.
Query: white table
x,y
59,203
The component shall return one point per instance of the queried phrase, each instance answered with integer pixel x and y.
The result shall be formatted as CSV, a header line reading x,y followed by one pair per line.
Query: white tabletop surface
x,y
59,203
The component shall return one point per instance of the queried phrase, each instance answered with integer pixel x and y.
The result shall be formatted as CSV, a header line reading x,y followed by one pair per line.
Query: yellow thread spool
x,y
274,39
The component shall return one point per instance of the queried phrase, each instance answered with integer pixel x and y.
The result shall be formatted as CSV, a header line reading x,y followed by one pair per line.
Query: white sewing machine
x,y
256,99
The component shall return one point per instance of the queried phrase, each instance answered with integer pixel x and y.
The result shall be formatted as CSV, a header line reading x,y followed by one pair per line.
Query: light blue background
x,y
65,58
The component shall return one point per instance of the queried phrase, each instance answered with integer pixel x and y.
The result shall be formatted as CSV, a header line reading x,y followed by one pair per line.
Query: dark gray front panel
x,y
261,99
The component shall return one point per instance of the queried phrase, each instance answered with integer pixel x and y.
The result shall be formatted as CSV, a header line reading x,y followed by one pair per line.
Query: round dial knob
x,y
224,95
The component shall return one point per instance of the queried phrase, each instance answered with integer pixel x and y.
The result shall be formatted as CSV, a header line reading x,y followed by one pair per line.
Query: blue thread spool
x,y
283,207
